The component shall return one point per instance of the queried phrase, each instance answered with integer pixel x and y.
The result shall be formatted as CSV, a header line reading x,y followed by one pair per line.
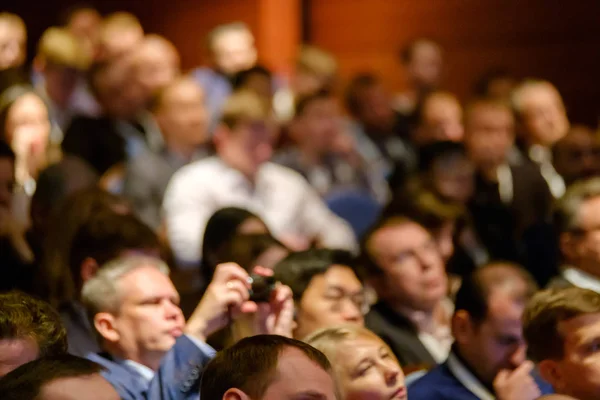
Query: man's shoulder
x,y
204,169
438,384
283,174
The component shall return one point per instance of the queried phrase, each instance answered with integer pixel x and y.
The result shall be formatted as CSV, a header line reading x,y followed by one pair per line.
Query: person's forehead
x,y
539,95
589,207
505,306
233,38
342,276
580,329
403,235
183,90
356,348
145,281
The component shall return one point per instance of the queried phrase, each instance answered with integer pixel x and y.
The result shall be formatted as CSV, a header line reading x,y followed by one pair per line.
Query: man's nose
x,y
519,356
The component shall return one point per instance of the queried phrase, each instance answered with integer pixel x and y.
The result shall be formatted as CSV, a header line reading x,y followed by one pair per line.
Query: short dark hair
x,y
241,78
298,269
244,249
355,91
475,290
6,151
545,312
430,153
250,365
482,86
27,381
105,235
23,316
304,101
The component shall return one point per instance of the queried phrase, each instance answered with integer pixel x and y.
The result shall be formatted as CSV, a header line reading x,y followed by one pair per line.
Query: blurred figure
x,y
511,205
61,61
403,264
85,23
577,155
120,33
13,41
241,175
497,84
29,329
347,347
489,354
255,249
560,327
257,79
315,131
63,377
438,118
180,112
232,50
156,63
326,290
542,121
423,63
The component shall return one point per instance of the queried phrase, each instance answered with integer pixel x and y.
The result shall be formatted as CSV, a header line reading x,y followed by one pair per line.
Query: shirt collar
x,y
581,279
467,379
146,373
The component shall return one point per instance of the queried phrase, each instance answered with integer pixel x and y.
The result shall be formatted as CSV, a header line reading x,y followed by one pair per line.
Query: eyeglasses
x,y
358,300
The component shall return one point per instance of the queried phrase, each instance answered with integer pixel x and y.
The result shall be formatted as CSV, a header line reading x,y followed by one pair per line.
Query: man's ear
x,y
462,326
551,373
106,326
567,243
89,268
235,394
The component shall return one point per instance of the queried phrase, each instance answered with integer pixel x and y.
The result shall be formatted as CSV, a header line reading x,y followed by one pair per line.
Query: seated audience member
x,y
422,59
488,358
181,115
104,236
61,61
156,63
364,366
315,130
64,377
269,367
542,121
326,290
438,117
403,264
257,79
577,155
577,215
511,205
562,328
13,41
84,22
497,84
120,33
241,175
232,50
29,329
148,344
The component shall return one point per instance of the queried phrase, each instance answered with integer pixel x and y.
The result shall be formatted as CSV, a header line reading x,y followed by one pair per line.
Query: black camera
x,y
261,289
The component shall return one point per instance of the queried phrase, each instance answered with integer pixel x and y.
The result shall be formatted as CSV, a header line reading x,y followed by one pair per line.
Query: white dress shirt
x,y
280,196
581,279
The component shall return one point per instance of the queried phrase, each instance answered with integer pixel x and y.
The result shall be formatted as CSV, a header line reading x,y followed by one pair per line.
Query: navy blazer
x,y
441,384
178,377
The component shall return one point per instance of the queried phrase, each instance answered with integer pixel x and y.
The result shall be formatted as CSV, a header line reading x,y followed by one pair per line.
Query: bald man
x,y
182,117
156,62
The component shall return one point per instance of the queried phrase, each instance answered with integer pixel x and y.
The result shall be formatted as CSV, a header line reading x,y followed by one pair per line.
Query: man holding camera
x,y
150,351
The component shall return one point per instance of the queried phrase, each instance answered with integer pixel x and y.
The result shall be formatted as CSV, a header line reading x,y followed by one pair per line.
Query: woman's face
x,y
28,126
368,370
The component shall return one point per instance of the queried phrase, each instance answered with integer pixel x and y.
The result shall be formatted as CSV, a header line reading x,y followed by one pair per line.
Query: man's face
x,y
183,117
577,155
234,51
319,125
578,372
12,45
250,144
442,120
60,82
583,250
376,111
157,65
489,136
298,377
544,116
120,95
16,352
120,42
7,183
334,298
426,65
90,387
453,177
149,320
497,342
413,271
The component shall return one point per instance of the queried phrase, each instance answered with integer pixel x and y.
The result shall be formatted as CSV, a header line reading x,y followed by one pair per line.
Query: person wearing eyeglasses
x,y
327,291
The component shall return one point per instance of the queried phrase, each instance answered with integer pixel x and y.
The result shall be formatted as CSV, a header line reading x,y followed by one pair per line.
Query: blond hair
x,y
14,20
316,61
519,93
244,106
59,46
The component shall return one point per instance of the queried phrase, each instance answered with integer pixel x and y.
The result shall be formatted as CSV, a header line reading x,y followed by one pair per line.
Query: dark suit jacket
x,y
400,334
80,333
178,377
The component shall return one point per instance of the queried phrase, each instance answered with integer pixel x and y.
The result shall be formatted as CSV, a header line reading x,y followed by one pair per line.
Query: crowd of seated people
x,y
226,233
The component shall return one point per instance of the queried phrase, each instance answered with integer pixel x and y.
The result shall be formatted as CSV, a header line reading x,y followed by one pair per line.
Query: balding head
x,y
156,62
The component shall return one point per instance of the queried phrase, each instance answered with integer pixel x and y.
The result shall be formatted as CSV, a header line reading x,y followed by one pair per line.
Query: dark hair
x,y
250,365
221,227
546,311
6,151
244,249
475,290
298,269
241,78
27,381
355,90
482,86
304,101
430,153
23,316
104,236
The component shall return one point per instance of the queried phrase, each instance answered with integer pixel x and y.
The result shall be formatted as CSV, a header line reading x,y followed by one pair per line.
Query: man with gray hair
x,y
151,353
577,219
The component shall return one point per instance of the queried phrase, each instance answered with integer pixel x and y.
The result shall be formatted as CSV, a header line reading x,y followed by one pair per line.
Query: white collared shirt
x,y
279,195
467,379
581,279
